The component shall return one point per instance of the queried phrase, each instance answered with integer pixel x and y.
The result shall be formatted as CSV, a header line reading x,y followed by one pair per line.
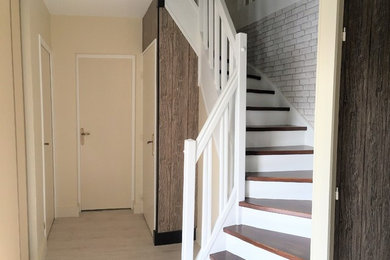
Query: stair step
x,y
260,91
287,176
250,76
225,255
296,208
264,128
280,150
284,245
267,108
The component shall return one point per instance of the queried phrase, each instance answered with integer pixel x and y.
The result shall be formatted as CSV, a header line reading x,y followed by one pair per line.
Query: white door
x,y
149,130
47,138
105,104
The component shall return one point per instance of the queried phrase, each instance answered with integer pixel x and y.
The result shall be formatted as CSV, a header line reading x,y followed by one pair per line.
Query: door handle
x,y
152,143
83,134
47,144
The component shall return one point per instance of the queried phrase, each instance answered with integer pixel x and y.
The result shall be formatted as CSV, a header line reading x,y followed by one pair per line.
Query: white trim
x,y
133,87
154,42
43,44
330,28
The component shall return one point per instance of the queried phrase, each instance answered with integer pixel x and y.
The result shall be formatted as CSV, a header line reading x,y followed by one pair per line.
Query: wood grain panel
x,y
363,213
179,124
178,117
165,122
150,25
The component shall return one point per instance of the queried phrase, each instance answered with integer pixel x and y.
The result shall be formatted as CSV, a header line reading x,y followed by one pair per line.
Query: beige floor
x,y
105,235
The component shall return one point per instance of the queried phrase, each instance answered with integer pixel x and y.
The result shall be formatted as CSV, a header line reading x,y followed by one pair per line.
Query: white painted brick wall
x,y
284,46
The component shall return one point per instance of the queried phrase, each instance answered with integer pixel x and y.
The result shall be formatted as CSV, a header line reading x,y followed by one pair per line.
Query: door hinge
x,y
337,193
344,34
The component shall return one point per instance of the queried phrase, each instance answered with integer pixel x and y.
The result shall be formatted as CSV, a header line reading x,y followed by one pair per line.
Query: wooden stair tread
x,y
285,245
287,176
263,128
251,76
225,255
280,150
260,91
253,108
297,208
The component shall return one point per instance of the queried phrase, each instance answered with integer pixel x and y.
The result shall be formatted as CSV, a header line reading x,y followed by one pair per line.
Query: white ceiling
x,y
112,8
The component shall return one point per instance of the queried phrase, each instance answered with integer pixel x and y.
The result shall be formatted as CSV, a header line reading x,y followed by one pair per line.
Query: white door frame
x,y
133,87
153,44
43,44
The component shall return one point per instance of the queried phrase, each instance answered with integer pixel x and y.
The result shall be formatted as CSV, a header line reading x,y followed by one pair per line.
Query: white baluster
x,y
205,24
240,117
217,44
221,165
224,71
207,193
231,59
225,155
211,33
189,198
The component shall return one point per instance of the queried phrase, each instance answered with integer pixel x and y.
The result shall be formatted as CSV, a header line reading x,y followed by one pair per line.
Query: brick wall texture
x,y
283,45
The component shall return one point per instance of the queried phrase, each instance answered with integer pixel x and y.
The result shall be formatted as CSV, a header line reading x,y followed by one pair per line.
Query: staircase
x,y
276,213
265,158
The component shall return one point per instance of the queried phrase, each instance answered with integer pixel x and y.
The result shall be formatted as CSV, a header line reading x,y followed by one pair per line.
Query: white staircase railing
x,y
226,53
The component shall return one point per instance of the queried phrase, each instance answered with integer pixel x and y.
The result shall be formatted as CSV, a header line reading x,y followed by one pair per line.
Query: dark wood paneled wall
x,y
150,25
363,167
178,118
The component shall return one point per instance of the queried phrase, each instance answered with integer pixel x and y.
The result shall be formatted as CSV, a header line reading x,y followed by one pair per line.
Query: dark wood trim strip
x,y
250,108
288,176
288,246
296,208
260,91
250,76
279,150
266,128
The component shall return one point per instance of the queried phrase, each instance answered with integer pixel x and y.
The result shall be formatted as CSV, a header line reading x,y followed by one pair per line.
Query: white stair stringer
x,y
292,225
278,190
272,163
248,251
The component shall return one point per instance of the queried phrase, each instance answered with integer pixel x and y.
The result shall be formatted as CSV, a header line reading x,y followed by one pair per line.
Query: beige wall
x,y
84,35
13,200
35,21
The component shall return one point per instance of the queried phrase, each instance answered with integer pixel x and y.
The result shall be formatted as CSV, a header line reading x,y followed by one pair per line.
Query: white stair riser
x,y
267,118
279,190
264,100
257,84
276,222
275,138
248,251
271,163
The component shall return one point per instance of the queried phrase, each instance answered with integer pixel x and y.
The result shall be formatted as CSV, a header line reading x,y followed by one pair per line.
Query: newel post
x,y
187,249
240,133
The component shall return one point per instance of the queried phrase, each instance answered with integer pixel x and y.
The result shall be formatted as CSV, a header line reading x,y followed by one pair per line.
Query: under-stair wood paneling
x,y
150,25
178,119
363,210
